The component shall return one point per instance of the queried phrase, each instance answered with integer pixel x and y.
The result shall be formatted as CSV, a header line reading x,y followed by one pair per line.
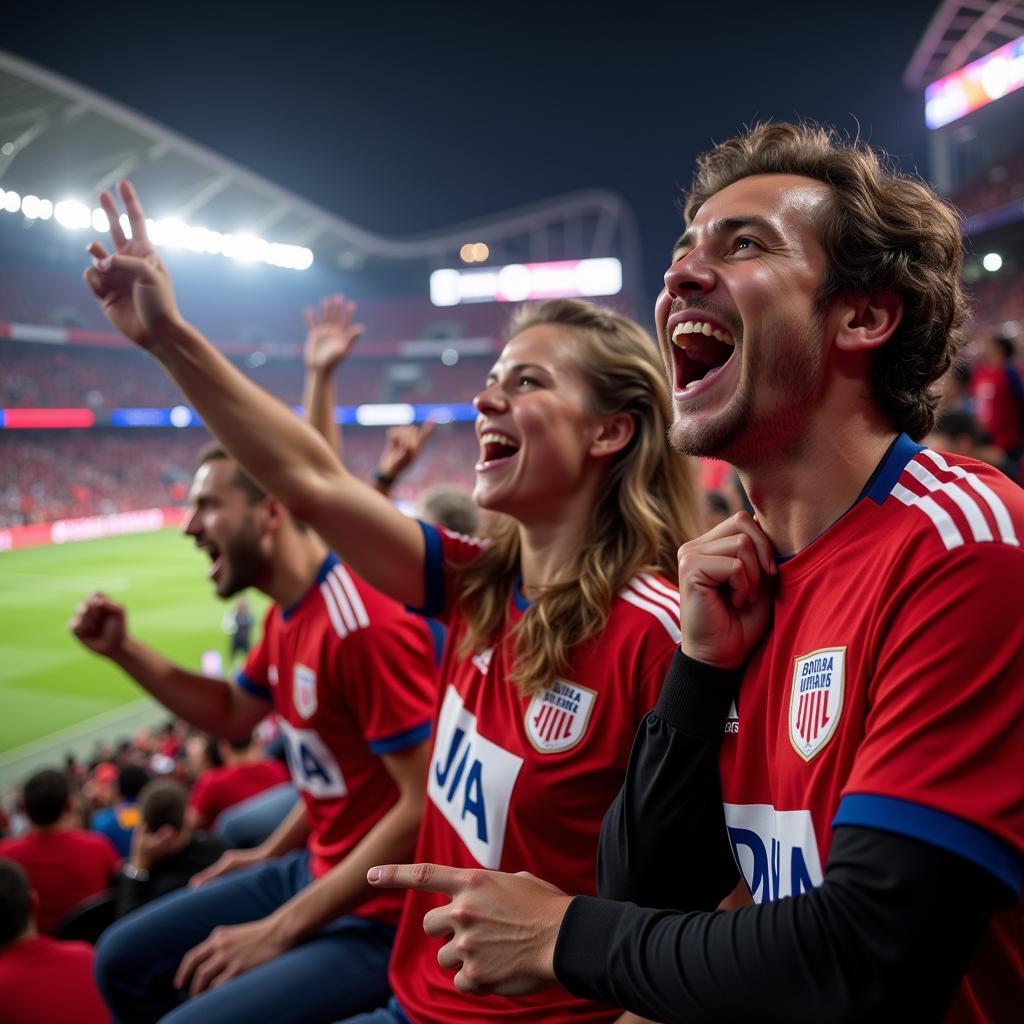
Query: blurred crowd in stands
x,y
101,379
59,474
90,841
999,183
51,475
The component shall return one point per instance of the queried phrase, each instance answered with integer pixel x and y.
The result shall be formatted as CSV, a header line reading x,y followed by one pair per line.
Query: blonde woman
x,y
561,624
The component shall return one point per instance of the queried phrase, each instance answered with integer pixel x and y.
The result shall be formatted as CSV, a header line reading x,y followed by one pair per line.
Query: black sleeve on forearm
x,y
664,842
887,936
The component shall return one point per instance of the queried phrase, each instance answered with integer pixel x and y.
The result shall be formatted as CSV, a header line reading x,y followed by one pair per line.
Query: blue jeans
x,y
339,972
248,823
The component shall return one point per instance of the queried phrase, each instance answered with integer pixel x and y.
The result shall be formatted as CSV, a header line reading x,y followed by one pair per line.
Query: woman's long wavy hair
x,y
648,505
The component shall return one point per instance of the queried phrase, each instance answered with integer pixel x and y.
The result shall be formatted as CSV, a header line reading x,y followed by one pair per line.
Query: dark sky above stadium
x,y
404,117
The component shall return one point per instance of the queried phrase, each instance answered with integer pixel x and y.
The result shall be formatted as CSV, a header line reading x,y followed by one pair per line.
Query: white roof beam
x,y
199,199
10,150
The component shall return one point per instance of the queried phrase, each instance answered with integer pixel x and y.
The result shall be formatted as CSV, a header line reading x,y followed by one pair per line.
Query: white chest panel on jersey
x,y
313,767
471,781
776,851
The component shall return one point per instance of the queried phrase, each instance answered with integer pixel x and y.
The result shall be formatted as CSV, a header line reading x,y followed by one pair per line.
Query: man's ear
x,y
613,435
867,321
277,514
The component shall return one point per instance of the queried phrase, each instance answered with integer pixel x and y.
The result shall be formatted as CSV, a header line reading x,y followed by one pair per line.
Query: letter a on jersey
x,y
557,718
816,699
304,691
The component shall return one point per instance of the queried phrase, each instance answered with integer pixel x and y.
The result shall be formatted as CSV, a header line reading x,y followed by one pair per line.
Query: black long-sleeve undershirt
x,y
887,935
664,842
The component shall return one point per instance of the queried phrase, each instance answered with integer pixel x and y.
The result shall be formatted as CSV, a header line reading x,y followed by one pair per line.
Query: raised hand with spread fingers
x,y
132,284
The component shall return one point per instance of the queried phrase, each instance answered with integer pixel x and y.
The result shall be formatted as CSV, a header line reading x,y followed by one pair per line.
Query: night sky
x,y
409,117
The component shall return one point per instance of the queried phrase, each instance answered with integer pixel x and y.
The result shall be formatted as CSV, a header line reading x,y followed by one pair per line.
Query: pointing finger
x,y
422,877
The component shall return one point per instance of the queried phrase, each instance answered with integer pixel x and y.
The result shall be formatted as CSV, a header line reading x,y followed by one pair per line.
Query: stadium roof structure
x,y
960,33
60,139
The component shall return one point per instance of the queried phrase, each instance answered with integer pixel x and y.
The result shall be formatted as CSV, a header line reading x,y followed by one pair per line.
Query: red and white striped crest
x,y
816,699
557,718
304,691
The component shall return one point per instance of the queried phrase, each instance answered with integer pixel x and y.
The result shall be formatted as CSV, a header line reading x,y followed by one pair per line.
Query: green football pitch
x,y
49,684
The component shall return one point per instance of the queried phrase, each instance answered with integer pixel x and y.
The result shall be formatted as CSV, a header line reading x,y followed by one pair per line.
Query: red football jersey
x,y
997,405
888,694
522,783
351,674
65,867
44,980
220,788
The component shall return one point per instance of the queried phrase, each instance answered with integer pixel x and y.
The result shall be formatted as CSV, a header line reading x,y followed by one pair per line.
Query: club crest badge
x,y
816,699
304,691
557,719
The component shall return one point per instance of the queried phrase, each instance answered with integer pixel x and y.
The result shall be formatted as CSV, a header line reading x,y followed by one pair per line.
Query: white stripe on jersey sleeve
x,y
332,610
342,601
951,536
966,504
354,600
661,586
642,585
670,622
994,502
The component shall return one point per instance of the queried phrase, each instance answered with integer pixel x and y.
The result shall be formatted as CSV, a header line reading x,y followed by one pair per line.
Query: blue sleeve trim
x,y
253,689
402,740
438,633
433,572
937,829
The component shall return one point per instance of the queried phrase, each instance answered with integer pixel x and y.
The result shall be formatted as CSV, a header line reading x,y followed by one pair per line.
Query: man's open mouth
x,y
699,349
215,558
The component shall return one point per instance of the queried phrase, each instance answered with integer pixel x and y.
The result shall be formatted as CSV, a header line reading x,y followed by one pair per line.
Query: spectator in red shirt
x,y
999,398
245,772
64,865
41,979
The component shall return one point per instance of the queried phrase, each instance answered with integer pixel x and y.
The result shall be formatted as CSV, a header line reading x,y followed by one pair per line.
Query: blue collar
x,y
321,574
884,478
521,600
880,483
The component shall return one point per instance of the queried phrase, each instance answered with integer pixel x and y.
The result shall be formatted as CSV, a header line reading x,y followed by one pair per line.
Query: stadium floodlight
x,y
474,252
444,288
181,416
975,85
520,281
394,415
71,214
35,208
992,261
170,232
